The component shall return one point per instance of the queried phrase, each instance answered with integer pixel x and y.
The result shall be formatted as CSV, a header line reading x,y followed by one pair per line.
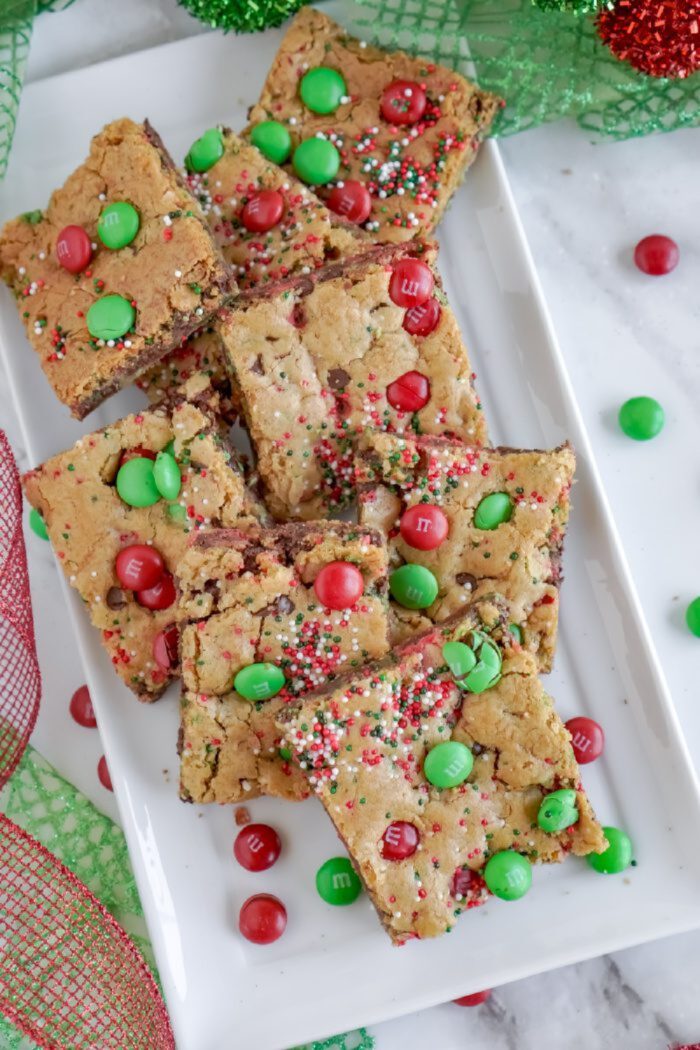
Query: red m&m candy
x,y
411,283
165,648
73,249
400,840
262,919
257,847
81,708
103,774
139,567
262,210
352,200
475,999
160,596
339,585
422,319
409,393
403,102
424,526
136,453
587,739
656,255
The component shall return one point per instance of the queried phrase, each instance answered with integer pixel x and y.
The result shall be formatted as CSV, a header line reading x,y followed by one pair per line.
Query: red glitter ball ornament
x,y
658,37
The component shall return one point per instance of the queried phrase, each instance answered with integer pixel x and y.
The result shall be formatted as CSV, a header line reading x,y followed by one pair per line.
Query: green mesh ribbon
x,y
16,20
44,804
546,64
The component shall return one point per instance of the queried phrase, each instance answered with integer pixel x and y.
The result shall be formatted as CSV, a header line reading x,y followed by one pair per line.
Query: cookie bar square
x,y
396,131
91,526
419,848
117,271
481,520
323,359
253,599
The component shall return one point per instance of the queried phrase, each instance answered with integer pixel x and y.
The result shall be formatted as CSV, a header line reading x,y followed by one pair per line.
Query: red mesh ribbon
x,y
20,681
70,978
69,975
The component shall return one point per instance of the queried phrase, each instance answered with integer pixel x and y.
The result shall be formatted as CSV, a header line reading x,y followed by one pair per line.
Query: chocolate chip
x,y
257,366
465,579
116,599
338,378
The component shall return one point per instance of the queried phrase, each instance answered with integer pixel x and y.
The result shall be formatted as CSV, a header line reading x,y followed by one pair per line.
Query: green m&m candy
x,y
616,857
692,617
37,524
641,418
337,882
316,161
273,140
508,875
205,151
413,586
285,754
493,510
448,765
177,513
476,672
259,681
110,317
322,89
118,224
517,632
136,484
558,811
166,475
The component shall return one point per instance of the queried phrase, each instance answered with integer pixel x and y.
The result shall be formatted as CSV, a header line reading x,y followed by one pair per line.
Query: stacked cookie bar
x,y
286,280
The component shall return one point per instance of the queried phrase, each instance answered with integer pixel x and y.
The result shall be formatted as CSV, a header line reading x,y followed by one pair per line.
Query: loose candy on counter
x,y
448,764
110,317
316,161
339,585
257,847
103,774
81,708
413,586
508,875
692,617
641,418
166,475
558,811
73,249
493,510
205,151
411,283
136,483
424,526
617,857
322,89
656,255
139,567
337,882
587,739
37,524
259,681
262,918
273,140
118,225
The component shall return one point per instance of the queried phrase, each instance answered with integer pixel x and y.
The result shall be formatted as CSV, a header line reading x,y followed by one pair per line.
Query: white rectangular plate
x,y
334,968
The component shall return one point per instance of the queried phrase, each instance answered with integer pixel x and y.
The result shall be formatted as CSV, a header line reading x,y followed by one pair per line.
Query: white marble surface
x,y
583,208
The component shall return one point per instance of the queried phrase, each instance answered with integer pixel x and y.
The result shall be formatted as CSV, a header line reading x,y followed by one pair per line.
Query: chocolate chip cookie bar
x,y
446,773
383,137
118,270
119,508
265,617
371,342
464,522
